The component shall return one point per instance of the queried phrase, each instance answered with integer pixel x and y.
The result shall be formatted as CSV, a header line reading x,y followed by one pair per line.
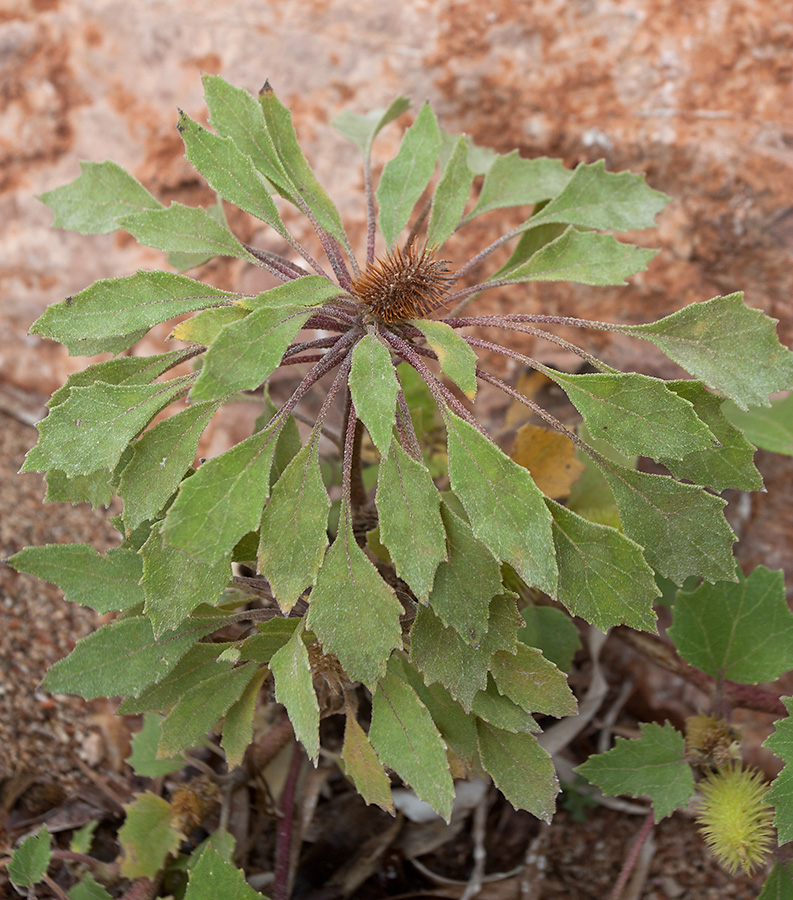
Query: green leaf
x,y
123,657
727,466
223,501
143,758
456,726
30,860
451,196
235,113
295,166
743,631
552,631
175,584
479,159
184,229
636,414
584,257
160,460
520,769
205,326
456,357
443,656
374,388
93,202
406,176
408,506
533,682
147,836
595,198
471,572
105,582
88,889
95,488
780,794
245,353
486,479
198,710
603,576
498,710
184,261
294,689
114,313
363,768
294,530
721,341
680,527
213,878
238,721
352,610
407,741
197,665
653,764
513,181
82,839
93,426
123,370
362,129
771,429
530,243
229,171
779,884
272,635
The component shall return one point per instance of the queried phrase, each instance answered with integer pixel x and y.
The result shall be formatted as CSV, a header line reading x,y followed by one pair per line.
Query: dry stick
x,y
633,855
283,846
56,889
474,885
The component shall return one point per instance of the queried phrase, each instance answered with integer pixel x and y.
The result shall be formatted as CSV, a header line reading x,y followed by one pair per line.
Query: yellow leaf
x,y
549,457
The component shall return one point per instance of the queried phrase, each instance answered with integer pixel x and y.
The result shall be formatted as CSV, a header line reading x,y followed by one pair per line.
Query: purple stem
x,y
277,265
508,321
494,322
633,855
443,396
283,845
491,248
407,433
371,223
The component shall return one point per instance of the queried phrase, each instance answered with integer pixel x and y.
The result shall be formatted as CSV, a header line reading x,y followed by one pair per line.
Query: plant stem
x,y
633,855
278,265
283,848
501,322
371,223
407,433
443,396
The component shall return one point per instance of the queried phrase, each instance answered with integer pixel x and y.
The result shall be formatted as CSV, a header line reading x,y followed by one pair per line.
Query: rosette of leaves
x,y
413,594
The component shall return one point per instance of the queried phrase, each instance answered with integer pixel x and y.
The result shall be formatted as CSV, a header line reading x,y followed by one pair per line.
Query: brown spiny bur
x,y
406,284
710,741
192,802
330,680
